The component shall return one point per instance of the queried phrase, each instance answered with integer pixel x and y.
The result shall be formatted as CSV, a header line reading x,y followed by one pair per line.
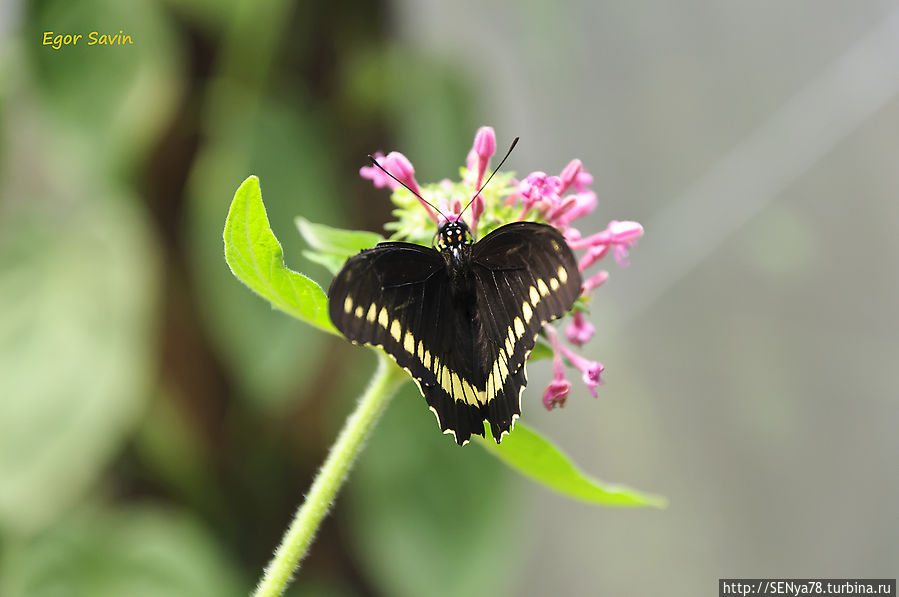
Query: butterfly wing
x,y
399,296
464,344
526,275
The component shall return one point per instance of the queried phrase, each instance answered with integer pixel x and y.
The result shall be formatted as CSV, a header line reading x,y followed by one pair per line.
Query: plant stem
x,y
299,535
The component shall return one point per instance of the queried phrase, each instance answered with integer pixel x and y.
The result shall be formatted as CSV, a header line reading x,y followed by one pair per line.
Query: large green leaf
x,y
534,456
255,258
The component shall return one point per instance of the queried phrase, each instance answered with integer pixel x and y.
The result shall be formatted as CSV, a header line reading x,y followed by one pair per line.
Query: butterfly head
x,y
452,235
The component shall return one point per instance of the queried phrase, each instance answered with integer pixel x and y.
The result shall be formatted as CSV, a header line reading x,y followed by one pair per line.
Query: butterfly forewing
x,y
391,296
398,296
462,331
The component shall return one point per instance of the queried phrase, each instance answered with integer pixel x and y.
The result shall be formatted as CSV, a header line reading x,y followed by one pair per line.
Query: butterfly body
x,y
460,317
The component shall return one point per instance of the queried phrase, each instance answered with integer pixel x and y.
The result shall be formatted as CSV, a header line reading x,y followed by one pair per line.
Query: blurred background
x,y
159,423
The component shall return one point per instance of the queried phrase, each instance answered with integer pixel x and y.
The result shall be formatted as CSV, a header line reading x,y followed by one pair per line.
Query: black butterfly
x,y
460,317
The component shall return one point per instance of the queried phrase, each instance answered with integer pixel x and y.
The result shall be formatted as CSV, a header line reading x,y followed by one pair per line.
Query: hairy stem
x,y
324,488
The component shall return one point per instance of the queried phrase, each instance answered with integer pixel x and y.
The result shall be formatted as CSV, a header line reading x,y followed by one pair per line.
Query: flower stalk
x,y
330,477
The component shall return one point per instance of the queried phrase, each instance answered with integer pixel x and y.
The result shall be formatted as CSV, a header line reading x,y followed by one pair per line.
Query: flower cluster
x,y
555,200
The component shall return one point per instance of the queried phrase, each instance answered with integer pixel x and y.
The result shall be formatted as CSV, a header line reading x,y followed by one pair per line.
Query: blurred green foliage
x,y
138,551
76,348
445,518
159,423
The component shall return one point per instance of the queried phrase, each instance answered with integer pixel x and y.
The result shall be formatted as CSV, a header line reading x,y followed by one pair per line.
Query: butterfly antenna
x,y
495,170
384,170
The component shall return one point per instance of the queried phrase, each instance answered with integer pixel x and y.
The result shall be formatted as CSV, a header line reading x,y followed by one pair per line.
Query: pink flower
x,y
625,232
591,370
593,254
559,211
377,176
538,188
584,203
624,236
556,393
477,208
572,236
583,180
484,146
621,235
595,281
574,174
580,330
569,174
482,149
400,166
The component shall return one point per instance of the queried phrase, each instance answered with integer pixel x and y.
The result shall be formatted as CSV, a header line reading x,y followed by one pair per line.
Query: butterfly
x,y
461,317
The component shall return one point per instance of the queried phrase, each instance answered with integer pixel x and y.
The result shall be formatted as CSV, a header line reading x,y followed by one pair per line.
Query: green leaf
x,y
541,351
330,262
255,258
336,240
534,456
333,246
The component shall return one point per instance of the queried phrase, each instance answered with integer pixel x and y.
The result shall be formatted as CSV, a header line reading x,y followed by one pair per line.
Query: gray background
x,y
751,345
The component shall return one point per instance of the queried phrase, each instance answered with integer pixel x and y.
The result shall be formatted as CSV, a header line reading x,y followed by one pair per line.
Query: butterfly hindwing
x,y
398,296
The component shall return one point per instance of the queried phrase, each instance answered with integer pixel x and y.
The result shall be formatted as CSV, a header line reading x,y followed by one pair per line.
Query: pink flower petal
x,y
556,393
377,176
625,232
570,173
485,142
593,254
595,281
579,331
